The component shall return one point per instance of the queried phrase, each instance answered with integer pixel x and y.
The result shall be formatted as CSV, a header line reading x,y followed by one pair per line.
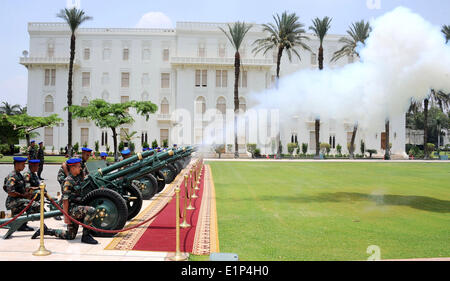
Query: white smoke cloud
x,y
403,58
155,20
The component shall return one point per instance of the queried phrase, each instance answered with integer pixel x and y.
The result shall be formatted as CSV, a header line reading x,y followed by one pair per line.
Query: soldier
x,y
103,156
18,196
31,179
64,171
40,156
72,193
32,153
125,153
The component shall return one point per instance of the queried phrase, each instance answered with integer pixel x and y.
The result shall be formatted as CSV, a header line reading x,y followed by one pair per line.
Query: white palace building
x,y
186,69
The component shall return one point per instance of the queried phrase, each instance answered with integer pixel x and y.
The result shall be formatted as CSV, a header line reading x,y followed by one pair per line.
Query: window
x,y
84,136
104,138
313,59
48,136
222,50
166,54
105,78
126,54
332,141
106,53
164,106
349,138
125,80
146,54
86,79
145,79
85,102
221,78
50,77
201,77
49,107
87,54
50,50
274,57
242,104
165,80
243,79
124,99
221,105
200,105
164,135
202,51
144,138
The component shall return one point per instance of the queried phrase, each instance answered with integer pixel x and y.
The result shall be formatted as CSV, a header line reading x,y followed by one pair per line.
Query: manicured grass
x,y
332,211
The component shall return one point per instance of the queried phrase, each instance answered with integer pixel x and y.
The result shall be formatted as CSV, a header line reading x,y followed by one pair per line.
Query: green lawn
x,y
332,211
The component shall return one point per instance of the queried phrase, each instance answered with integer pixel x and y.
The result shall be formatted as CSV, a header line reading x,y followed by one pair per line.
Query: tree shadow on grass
x,y
417,202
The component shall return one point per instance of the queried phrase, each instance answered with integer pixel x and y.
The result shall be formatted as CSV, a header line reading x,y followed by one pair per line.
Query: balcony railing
x,y
45,61
220,61
164,117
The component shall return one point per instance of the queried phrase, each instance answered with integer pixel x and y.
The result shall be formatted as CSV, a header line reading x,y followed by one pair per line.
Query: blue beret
x,y
34,161
73,161
20,159
32,141
103,154
150,149
125,152
41,142
86,149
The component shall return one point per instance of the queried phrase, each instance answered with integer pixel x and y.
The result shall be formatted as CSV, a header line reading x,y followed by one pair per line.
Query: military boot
x,y
46,232
87,237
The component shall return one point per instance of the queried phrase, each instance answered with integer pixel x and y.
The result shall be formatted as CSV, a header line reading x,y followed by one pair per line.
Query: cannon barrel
x,y
15,225
132,159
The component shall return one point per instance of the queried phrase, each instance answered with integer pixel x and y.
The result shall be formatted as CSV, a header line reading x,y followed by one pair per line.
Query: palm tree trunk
x,y
352,142
387,155
279,55
317,132
320,57
116,157
237,69
69,94
425,128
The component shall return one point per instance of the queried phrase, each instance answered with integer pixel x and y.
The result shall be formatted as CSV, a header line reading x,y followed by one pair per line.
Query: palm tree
x,y
359,32
446,30
286,34
443,102
235,35
320,29
74,18
9,109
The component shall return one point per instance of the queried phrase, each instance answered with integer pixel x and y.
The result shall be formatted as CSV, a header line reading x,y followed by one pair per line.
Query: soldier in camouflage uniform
x,y
40,156
18,196
64,171
86,214
32,153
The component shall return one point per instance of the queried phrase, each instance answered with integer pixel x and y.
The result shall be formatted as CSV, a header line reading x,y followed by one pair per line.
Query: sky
x,y
15,14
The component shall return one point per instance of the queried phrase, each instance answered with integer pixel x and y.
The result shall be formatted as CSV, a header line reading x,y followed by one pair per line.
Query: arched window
x,y
144,96
84,102
242,104
105,95
164,106
200,105
221,105
49,106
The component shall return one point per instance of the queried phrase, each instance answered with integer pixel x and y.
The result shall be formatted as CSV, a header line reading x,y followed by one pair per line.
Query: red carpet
x,y
161,234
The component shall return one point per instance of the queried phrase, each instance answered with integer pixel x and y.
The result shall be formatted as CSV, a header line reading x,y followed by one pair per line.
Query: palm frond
x,y
358,32
320,27
236,33
73,17
446,30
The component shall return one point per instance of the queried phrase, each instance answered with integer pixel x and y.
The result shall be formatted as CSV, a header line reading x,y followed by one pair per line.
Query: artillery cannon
x,y
115,190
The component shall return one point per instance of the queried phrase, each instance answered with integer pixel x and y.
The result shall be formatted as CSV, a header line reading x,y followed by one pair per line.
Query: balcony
x,y
164,117
46,61
194,61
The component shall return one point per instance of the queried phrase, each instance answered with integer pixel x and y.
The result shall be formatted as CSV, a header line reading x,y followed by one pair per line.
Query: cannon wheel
x,y
111,208
134,205
161,179
169,172
151,186
179,166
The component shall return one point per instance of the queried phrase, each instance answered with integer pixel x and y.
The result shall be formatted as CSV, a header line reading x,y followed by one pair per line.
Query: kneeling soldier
x,y
72,193
18,195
